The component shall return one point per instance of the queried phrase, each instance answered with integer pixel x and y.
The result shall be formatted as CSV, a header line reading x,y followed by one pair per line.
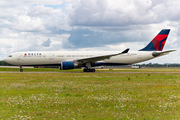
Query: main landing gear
x,y
21,70
88,68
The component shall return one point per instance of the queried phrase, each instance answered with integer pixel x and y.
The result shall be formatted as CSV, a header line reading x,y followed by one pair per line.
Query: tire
x,y
93,70
84,70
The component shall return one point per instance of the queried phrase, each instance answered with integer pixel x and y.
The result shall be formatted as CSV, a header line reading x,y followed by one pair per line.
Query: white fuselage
x,y
56,57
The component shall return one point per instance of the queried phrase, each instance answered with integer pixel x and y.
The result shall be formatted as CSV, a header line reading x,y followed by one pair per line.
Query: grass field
x,y
78,95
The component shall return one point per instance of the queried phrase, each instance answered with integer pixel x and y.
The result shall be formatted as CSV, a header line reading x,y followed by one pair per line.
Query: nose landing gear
x,y
21,70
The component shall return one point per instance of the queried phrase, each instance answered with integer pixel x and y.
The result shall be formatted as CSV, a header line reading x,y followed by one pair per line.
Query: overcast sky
x,y
56,25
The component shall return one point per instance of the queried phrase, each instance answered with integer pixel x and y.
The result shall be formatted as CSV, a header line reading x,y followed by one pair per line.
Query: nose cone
x,y
8,59
5,60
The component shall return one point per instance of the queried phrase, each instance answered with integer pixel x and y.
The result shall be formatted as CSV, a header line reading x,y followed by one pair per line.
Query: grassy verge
x,y
80,70
90,96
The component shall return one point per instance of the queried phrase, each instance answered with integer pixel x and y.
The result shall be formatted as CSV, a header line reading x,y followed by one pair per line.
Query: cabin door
x,y
19,56
138,55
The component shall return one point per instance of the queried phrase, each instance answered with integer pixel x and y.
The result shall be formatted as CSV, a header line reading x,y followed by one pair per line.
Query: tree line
x,y
3,63
159,65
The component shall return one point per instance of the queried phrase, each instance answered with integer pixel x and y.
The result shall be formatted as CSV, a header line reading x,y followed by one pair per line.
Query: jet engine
x,y
68,65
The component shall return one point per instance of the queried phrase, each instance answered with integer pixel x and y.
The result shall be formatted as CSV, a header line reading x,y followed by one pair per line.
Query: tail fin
x,y
158,42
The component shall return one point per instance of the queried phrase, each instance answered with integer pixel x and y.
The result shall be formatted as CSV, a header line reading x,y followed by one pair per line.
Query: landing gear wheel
x,y
89,70
93,70
84,70
21,70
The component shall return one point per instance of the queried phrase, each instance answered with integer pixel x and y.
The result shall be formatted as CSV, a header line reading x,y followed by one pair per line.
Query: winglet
x,y
126,51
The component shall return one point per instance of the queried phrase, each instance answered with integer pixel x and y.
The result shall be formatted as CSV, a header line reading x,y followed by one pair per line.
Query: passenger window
x,y
60,56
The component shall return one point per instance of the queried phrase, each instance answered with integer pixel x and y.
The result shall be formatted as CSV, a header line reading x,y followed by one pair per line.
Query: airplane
x,y
89,59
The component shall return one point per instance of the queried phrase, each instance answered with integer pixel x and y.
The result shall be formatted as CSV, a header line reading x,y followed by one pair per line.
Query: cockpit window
x,y
10,56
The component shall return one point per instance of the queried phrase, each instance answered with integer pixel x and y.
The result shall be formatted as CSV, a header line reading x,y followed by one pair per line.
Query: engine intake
x,y
68,65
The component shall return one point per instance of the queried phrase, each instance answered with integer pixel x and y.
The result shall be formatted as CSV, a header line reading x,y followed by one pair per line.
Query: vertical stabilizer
x,y
158,42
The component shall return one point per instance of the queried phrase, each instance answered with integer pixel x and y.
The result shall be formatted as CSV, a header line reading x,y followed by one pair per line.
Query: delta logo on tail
x,y
158,42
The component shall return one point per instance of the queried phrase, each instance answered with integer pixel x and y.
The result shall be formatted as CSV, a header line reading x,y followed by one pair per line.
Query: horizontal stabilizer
x,y
159,53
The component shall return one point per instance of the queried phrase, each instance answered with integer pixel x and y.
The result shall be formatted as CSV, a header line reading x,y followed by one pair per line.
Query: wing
x,y
160,53
98,58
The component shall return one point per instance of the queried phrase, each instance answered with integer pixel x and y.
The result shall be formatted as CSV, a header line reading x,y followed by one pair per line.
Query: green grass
x,y
126,69
90,95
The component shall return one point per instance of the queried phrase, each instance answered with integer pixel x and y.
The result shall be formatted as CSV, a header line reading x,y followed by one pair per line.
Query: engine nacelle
x,y
68,65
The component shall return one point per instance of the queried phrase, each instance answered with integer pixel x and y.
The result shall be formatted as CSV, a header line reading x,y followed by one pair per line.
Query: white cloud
x,y
41,10
30,24
116,47
112,12
123,12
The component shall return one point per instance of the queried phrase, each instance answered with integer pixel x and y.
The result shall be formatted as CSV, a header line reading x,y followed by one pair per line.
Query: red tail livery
x,y
158,42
